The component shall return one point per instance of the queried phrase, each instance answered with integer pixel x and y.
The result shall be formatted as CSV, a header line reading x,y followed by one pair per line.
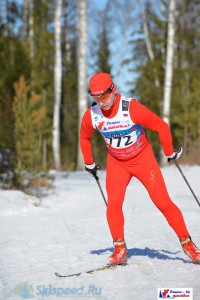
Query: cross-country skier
x,y
120,121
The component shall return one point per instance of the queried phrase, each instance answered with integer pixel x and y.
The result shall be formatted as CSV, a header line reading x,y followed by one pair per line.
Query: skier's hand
x,y
92,170
175,155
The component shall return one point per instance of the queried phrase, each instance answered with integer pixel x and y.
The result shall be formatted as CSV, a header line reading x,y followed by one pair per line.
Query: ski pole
x,y
104,198
195,197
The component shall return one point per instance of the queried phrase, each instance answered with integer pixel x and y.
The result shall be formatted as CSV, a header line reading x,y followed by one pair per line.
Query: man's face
x,y
105,101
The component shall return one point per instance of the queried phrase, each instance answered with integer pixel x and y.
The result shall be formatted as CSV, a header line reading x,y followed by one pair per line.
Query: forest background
x,y
48,51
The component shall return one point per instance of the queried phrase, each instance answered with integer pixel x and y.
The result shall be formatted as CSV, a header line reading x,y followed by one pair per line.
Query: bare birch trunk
x,y
31,30
25,20
169,68
57,87
148,42
66,32
82,60
124,39
28,33
31,40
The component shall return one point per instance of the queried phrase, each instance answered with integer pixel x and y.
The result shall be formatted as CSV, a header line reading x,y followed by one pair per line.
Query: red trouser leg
x,y
150,175
117,179
145,168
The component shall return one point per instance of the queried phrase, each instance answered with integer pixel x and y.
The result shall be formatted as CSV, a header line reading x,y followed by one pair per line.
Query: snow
x,y
67,232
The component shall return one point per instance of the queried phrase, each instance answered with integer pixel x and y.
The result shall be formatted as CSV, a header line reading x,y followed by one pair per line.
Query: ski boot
x,y
119,256
191,250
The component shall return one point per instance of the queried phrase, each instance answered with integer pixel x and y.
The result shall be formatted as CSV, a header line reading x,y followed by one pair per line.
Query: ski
x,y
107,267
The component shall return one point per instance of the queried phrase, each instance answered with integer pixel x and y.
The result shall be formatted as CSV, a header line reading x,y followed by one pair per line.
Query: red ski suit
x,y
135,159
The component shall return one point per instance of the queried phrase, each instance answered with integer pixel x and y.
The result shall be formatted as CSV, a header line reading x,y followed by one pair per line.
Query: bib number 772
x,y
120,141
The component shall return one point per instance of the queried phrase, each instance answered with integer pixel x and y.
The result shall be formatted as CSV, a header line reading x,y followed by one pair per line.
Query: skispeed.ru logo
x,y
24,290
27,291
175,293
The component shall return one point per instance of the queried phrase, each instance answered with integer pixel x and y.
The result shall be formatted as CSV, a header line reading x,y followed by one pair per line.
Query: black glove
x,y
175,155
92,170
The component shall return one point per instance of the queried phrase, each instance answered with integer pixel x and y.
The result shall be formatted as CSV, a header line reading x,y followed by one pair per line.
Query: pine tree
x,y
185,98
43,68
13,61
29,125
149,71
102,65
69,111
103,53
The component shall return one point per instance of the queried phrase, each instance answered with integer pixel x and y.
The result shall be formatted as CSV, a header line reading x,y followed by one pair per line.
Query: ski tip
x,y
58,275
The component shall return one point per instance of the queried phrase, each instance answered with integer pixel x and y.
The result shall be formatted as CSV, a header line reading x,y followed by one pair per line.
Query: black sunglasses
x,y
107,91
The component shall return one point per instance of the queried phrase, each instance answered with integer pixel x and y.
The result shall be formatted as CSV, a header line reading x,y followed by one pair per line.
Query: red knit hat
x,y
100,84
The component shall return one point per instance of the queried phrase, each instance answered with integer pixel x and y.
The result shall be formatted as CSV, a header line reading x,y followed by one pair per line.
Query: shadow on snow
x,y
147,252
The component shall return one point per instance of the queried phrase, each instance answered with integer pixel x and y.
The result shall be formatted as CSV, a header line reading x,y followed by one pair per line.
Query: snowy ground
x,y
67,232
